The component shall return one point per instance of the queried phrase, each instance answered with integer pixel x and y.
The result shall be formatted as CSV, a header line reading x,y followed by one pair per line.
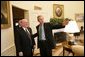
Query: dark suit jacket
x,y
22,41
48,34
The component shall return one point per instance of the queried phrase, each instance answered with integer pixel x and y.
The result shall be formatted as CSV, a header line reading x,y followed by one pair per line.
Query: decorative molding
x,y
9,51
37,8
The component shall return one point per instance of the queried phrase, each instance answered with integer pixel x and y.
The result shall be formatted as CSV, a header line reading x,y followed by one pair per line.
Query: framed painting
x,y
58,11
5,14
79,17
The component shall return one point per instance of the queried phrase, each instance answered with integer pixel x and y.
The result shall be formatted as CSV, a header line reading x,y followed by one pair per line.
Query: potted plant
x,y
56,20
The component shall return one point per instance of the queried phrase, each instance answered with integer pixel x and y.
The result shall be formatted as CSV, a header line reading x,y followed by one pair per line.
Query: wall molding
x,y
9,51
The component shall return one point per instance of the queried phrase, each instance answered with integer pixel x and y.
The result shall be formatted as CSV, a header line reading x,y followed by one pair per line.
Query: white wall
x,y
70,9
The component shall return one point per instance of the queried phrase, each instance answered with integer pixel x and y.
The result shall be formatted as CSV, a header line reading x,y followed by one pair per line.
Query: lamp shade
x,y
72,27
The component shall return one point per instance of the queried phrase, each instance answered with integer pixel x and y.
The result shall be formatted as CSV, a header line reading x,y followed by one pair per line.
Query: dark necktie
x,y
27,32
29,36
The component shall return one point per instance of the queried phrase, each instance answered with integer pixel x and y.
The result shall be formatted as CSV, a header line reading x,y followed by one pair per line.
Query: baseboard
x,y
10,51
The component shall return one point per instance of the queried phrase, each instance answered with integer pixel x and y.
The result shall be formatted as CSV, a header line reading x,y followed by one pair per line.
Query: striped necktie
x,y
29,36
28,33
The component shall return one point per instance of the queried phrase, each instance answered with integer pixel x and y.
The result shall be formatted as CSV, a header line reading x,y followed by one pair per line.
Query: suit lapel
x,y
44,27
29,29
21,29
37,28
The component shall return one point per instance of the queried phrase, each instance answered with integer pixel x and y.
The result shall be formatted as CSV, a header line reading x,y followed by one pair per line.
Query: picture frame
x,y
79,17
5,15
58,11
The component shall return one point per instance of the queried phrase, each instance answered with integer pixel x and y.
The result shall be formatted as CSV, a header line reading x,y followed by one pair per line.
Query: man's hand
x,y
34,46
20,53
65,22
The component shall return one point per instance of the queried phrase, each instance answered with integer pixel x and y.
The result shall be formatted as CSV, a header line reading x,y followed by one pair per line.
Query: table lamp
x,y
71,28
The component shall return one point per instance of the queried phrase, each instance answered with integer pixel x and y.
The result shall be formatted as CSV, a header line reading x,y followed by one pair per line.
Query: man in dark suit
x,y
23,38
45,38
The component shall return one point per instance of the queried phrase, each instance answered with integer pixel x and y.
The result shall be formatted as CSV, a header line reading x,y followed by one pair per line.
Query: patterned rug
x,y
55,52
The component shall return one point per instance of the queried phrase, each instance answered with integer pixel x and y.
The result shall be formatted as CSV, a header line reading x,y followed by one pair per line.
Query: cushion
x,y
78,50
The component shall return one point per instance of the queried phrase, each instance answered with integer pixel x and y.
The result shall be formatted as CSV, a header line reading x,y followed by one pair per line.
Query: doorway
x,y
19,14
